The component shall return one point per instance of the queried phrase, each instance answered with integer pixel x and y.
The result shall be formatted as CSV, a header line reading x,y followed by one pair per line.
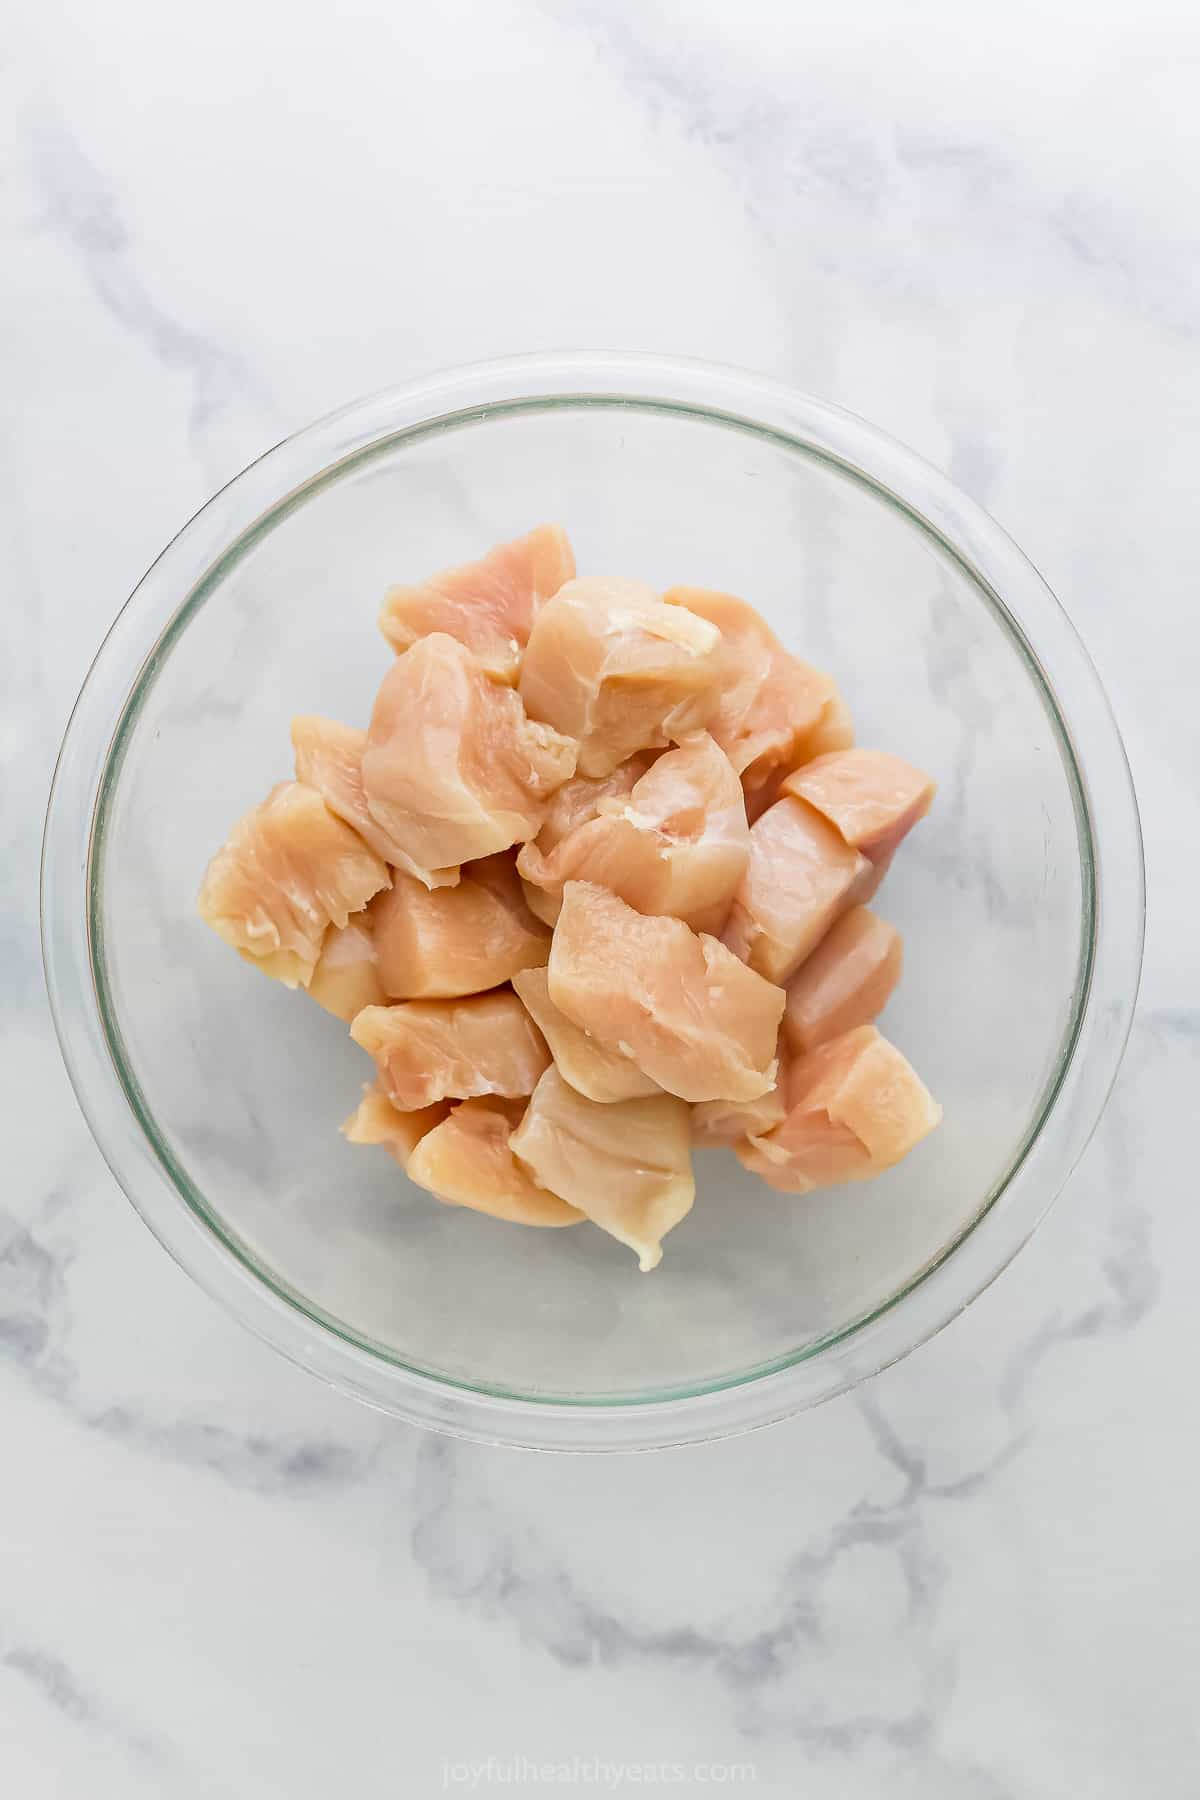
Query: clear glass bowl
x,y
216,1095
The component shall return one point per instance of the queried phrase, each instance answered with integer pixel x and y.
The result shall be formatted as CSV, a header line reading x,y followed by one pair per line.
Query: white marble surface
x,y
979,1579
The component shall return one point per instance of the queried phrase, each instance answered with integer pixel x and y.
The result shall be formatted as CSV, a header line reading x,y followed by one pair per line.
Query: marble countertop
x,y
977,1579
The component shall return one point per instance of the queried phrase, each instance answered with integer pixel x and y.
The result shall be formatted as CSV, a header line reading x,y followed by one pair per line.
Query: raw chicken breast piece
x,y
289,870
628,1166
764,786
869,880
846,982
487,605
720,1124
855,1106
578,800
834,730
346,977
610,664
466,1161
329,758
594,1071
802,877
774,710
453,769
376,1121
440,943
679,1005
678,843
575,803
427,1050
542,905
873,798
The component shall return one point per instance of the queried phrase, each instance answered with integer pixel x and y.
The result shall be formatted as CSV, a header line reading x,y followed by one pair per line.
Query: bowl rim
x,y
1107,820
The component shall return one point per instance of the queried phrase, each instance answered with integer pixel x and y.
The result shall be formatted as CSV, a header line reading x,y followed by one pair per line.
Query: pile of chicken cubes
x,y
591,890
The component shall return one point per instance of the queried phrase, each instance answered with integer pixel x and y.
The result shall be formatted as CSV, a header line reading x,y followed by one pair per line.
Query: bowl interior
x,y
241,1085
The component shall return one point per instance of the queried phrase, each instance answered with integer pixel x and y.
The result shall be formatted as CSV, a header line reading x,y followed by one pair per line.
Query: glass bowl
x,y
215,1094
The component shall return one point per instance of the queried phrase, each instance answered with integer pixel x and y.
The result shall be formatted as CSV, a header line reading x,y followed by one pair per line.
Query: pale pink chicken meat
x,y
376,1121
346,977
855,1107
871,797
774,711
466,1161
594,1070
289,870
677,1003
489,605
627,1166
649,819
542,905
579,799
428,1050
436,944
834,730
722,1124
869,880
609,664
846,982
802,877
572,805
764,786
454,770
329,757
678,843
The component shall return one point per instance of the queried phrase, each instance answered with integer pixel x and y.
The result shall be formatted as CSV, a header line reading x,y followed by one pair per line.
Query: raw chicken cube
x,y
427,1050
801,878
869,880
329,758
855,1107
453,769
466,1161
611,665
679,1005
376,1121
578,800
834,730
774,710
487,605
847,981
289,870
628,1166
574,804
718,1124
597,1073
764,786
874,799
542,905
346,977
678,843
440,943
